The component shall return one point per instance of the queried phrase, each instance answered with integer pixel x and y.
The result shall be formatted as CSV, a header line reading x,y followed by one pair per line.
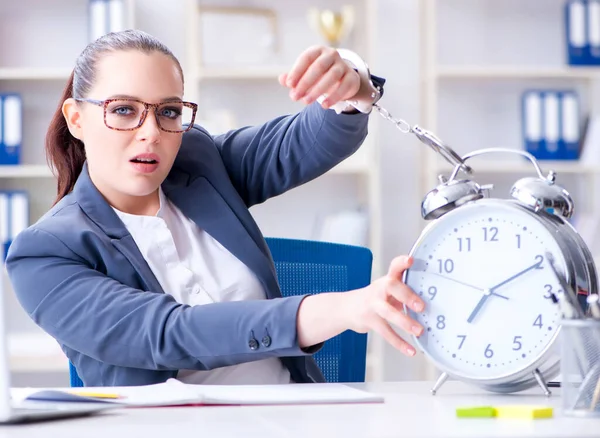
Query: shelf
x,y
34,73
516,72
560,167
243,72
26,171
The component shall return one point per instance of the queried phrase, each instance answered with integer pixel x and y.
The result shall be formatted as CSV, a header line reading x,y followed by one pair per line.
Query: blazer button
x,y
266,341
253,344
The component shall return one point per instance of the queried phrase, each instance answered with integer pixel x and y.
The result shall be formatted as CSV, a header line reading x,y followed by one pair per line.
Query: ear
x,y
72,113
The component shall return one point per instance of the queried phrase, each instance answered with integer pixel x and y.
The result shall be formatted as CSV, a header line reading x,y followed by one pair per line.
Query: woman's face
x,y
129,166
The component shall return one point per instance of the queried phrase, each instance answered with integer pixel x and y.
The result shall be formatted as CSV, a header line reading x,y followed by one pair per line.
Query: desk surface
x,y
409,411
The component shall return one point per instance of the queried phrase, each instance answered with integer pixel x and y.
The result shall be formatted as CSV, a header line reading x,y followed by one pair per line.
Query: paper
x,y
175,393
306,393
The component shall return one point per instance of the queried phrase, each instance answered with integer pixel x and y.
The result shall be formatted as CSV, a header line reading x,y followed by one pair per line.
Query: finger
x,y
328,83
283,79
313,74
399,265
301,65
384,329
404,294
398,318
344,91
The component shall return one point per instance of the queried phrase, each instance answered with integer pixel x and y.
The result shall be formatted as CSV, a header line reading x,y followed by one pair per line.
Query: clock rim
x,y
547,361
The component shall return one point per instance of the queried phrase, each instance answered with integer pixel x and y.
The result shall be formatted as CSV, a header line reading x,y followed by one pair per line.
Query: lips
x,y
145,163
146,159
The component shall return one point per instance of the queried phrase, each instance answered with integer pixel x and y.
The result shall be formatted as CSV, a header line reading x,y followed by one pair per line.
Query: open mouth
x,y
144,161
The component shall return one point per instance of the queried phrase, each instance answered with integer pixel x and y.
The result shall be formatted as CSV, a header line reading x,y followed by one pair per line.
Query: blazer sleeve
x,y
266,160
140,329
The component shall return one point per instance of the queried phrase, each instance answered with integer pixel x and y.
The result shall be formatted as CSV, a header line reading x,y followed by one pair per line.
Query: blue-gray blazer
x,y
80,276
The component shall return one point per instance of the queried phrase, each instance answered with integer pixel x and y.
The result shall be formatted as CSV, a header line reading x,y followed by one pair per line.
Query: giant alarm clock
x,y
481,267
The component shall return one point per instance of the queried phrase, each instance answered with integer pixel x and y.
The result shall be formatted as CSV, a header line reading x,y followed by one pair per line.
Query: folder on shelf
x,y
576,13
570,135
105,16
593,30
551,124
11,128
582,29
14,216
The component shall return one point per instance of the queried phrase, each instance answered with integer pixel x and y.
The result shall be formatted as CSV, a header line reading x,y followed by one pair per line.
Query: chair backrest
x,y
310,267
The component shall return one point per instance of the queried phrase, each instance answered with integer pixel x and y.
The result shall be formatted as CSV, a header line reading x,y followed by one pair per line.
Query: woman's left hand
x,y
320,70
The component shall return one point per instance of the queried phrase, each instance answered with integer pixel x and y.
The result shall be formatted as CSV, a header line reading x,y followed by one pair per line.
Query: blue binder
x,y
582,32
11,127
550,124
14,216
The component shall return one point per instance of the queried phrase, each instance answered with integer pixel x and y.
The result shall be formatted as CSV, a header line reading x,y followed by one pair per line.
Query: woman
x,y
149,266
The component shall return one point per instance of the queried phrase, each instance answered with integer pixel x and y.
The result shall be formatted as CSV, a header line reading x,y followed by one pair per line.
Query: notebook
x,y
176,393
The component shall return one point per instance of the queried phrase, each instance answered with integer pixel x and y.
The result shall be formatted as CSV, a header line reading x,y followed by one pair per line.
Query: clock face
x,y
483,274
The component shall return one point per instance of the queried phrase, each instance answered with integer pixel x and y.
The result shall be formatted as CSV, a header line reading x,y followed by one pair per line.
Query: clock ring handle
x,y
477,152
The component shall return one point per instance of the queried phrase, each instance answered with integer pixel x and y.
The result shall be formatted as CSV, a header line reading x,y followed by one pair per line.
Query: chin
x,y
142,189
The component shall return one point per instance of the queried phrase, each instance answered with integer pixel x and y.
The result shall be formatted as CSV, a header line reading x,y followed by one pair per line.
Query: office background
x,y
458,67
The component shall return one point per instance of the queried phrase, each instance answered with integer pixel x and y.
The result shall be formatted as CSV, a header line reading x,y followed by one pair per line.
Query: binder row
x,y
106,16
551,124
11,128
582,19
14,216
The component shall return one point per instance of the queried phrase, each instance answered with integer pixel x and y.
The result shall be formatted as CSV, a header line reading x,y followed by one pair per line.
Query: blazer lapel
x,y
203,204
98,210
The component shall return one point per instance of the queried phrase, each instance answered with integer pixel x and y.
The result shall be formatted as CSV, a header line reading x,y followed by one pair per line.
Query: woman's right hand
x,y
374,307
381,303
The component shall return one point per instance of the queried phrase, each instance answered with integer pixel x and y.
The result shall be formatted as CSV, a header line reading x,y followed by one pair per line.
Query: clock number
x,y
517,343
518,241
539,259
446,265
538,321
488,351
467,245
490,234
462,341
441,322
432,291
548,294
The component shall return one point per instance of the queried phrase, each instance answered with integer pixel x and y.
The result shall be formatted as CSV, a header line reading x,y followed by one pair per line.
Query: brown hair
x,y
65,154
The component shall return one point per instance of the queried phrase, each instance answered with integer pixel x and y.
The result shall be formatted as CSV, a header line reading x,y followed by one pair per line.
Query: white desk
x,y
409,411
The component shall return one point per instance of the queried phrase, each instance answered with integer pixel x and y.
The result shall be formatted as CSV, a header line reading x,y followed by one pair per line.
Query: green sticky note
x,y
476,412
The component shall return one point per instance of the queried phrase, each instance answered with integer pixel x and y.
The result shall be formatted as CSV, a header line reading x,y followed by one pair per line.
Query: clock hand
x,y
508,280
467,284
488,292
486,295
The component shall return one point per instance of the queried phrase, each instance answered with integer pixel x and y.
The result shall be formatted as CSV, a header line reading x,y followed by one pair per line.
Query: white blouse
x,y
196,269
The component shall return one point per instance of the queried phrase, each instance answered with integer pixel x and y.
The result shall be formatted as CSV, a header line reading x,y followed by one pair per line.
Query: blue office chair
x,y
309,267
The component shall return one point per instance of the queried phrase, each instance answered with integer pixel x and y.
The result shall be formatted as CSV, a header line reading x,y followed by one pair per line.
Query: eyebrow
x,y
126,96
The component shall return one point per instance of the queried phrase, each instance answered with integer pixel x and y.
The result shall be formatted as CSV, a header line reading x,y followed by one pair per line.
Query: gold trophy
x,y
333,26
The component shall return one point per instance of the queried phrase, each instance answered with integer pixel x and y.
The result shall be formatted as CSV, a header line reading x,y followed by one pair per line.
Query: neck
x,y
147,205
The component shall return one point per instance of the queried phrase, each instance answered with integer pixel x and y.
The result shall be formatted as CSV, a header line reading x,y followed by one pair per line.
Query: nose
x,y
149,131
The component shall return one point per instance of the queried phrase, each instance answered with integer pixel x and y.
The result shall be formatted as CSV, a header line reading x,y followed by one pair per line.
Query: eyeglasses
x,y
129,114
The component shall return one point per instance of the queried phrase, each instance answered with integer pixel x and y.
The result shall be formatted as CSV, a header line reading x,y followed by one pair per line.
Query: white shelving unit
x,y
484,93
473,77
